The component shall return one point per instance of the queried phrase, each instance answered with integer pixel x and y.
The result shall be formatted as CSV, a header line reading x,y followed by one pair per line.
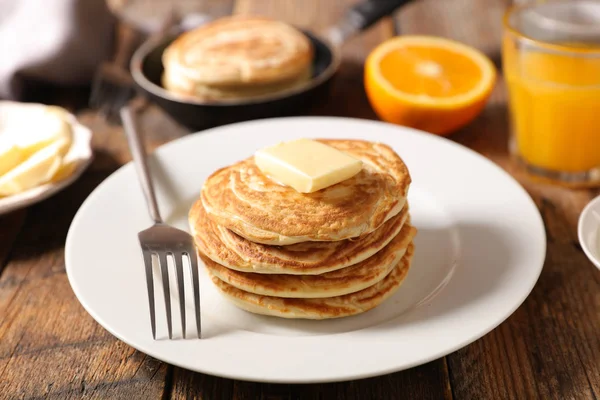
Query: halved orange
x,y
434,84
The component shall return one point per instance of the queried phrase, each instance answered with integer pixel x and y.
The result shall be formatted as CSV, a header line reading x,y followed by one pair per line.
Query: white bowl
x,y
80,153
588,231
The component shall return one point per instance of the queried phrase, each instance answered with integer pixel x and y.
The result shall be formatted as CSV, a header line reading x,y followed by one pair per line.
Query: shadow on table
x,y
47,223
488,134
75,98
347,97
427,381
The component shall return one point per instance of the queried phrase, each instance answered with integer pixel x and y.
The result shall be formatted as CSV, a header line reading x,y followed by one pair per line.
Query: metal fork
x,y
161,239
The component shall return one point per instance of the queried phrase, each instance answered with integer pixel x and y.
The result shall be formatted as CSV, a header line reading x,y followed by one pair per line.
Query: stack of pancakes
x,y
336,252
237,58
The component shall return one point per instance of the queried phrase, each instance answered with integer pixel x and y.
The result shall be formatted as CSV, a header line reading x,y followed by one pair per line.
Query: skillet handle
x,y
360,17
366,13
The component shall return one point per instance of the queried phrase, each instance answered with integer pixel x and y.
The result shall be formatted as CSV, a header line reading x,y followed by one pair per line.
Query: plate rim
x,y
458,344
585,214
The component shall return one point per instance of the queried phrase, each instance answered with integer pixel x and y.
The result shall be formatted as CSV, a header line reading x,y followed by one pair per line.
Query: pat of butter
x,y
10,157
36,170
306,165
34,140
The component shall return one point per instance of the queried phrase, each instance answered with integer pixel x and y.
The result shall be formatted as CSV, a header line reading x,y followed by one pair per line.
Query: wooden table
x,y
549,348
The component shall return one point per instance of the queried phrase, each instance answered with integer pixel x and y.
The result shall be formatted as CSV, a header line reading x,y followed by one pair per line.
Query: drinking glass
x,y
551,60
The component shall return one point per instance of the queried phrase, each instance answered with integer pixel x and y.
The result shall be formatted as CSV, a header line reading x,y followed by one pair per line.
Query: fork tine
x,y
179,271
193,256
164,268
150,285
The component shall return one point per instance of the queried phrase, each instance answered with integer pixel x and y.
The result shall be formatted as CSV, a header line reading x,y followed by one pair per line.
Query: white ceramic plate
x,y
588,230
479,251
80,153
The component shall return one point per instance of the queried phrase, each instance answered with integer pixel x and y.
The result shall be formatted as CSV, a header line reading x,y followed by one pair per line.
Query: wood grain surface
x,y
548,349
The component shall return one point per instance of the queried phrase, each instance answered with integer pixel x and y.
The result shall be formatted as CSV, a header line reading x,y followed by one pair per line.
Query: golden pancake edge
x,y
336,283
240,198
227,248
320,308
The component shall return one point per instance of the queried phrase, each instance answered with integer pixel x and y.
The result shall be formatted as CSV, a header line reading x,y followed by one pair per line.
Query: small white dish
x,y
80,153
588,230
479,250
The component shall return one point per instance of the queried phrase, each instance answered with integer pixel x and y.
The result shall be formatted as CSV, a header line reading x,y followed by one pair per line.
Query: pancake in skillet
x,y
336,283
308,258
321,308
237,57
241,198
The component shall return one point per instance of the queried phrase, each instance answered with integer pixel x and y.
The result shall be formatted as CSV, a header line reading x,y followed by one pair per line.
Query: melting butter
x,y
306,165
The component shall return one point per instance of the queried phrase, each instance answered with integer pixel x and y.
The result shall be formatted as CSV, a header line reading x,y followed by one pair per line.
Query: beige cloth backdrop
x,y
54,41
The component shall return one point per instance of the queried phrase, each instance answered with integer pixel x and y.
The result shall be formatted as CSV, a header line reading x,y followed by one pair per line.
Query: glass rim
x,y
595,50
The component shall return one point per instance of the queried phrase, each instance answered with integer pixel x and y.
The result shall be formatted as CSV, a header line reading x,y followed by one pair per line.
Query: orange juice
x,y
555,104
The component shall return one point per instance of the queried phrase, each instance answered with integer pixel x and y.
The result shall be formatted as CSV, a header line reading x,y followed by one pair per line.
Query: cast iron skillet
x,y
146,69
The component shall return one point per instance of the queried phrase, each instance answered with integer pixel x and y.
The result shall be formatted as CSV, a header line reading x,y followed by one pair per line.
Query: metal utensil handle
x,y
366,13
361,16
140,160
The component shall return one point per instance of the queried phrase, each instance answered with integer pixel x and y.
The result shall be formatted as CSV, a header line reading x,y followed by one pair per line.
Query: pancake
x,y
308,258
236,54
336,283
322,308
241,198
215,93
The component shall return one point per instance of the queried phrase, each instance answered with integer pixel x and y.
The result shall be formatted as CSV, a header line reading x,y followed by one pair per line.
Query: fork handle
x,y
140,160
